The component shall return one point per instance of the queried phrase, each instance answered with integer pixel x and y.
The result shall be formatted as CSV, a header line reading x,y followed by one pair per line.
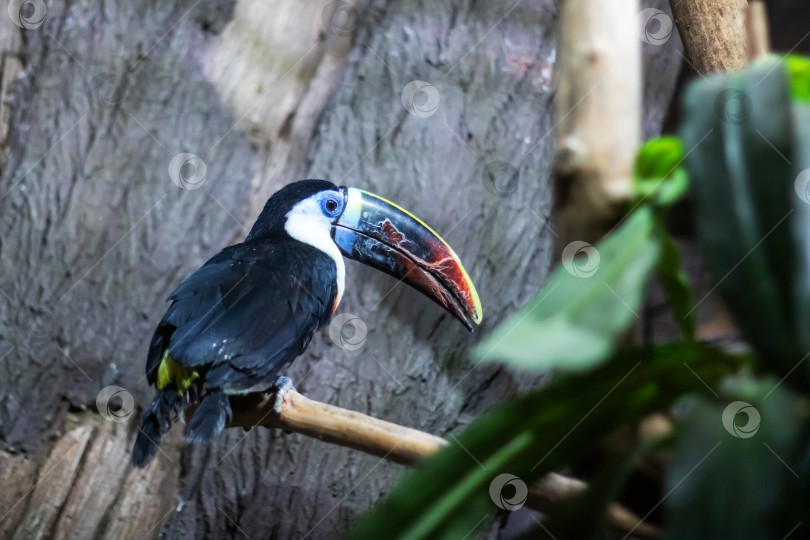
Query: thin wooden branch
x,y
712,33
337,426
399,444
598,115
756,26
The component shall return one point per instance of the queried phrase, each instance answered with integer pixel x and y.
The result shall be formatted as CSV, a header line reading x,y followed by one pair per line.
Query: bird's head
x,y
369,229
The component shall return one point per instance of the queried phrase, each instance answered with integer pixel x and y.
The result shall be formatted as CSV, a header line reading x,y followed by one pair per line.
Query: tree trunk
x,y
99,100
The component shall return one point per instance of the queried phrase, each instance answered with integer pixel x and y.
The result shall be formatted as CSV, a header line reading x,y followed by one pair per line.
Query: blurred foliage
x,y
740,446
531,435
740,129
658,177
660,180
582,308
727,486
798,69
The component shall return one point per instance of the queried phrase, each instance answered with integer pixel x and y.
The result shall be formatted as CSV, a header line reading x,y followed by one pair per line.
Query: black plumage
x,y
247,313
237,321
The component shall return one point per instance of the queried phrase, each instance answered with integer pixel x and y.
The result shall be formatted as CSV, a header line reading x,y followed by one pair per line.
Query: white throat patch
x,y
306,223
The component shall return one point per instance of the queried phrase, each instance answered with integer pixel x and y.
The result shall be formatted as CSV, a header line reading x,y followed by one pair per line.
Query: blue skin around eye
x,y
325,200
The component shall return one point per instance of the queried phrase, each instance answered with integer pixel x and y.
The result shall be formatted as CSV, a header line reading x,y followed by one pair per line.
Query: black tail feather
x,y
146,445
210,418
156,422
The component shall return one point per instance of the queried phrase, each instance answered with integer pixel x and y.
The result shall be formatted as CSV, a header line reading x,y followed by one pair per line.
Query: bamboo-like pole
x,y
712,33
397,443
756,25
598,115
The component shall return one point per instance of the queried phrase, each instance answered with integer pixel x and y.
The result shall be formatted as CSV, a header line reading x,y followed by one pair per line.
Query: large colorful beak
x,y
380,234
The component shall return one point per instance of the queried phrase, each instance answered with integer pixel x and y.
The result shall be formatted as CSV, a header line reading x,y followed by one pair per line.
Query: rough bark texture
x,y
94,234
712,32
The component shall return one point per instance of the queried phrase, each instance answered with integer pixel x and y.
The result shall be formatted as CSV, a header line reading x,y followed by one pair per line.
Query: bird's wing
x,y
246,313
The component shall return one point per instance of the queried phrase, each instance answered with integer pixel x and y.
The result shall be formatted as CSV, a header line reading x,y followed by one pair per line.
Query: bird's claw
x,y
282,385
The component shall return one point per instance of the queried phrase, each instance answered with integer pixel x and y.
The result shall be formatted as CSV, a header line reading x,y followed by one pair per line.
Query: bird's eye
x,y
331,205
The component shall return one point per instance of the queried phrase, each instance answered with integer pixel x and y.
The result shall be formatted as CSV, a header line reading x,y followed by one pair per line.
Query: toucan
x,y
249,311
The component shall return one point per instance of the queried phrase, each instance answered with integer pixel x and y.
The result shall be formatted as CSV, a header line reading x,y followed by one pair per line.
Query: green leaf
x,y
801,223
658,158
798,69
676,284
574,321
534,434
658,177
738,131
735,472
660,180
